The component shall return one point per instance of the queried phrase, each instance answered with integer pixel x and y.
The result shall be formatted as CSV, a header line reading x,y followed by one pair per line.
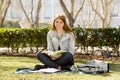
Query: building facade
x,y
50,8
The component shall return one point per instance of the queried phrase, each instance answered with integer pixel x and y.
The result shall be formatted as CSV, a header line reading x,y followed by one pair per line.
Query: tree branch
x,y
31,12
24,11
80,9
72,8
64,8
37,13
95,10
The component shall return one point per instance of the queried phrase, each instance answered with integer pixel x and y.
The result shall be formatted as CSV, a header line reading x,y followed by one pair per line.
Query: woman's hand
x,y
55,57
49,53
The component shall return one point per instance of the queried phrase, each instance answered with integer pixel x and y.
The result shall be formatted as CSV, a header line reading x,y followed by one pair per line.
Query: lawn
x,y
9,64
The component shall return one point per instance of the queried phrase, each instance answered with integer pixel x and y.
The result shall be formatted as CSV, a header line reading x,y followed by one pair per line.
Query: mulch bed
x,y
90,57
76,56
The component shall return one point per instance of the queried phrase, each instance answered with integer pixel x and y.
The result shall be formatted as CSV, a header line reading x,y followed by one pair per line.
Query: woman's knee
x,y
38,54
68,55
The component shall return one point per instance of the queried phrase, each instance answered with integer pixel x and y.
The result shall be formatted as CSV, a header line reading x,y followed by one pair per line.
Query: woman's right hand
x,y
55,57
49,53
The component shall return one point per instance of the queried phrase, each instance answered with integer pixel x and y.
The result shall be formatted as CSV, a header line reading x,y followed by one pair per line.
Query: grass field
x,y
9,64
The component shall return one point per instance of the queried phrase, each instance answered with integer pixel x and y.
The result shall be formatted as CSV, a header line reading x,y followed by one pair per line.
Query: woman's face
x,y
59,24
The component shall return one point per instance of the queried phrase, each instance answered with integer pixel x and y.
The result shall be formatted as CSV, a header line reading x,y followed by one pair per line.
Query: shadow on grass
x,y
7,68
115,67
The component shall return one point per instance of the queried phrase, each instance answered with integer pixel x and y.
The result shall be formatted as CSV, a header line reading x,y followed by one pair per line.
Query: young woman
x,y
60,37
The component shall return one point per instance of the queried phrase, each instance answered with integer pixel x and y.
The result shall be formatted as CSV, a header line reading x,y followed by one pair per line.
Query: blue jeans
x,y
65,61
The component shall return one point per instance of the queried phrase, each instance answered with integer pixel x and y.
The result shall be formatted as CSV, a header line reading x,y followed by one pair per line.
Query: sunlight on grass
x,y
9,64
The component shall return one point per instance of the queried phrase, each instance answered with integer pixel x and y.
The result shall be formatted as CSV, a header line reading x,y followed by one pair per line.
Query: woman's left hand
x,y
55,57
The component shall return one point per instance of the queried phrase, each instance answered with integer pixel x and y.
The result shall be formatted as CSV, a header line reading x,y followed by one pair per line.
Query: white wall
x,y
52,7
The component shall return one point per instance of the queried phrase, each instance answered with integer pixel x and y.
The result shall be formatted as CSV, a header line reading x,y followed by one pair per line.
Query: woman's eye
x,y
56,22
61,22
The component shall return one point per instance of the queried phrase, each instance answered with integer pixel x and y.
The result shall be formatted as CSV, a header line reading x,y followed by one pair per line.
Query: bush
x,y
11,24
16,38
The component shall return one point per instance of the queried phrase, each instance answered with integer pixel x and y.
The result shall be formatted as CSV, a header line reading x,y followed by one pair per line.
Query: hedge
x,y
16,38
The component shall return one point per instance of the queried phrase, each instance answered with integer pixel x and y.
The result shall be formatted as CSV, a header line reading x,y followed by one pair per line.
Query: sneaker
x,y
74,68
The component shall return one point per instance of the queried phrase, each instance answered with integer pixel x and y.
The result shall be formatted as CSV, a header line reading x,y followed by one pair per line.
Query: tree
x,y
32,20
4,5
105,11
71,14
88,19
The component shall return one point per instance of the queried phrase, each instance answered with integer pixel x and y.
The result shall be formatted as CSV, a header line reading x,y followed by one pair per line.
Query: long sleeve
x,y
49,42
71,44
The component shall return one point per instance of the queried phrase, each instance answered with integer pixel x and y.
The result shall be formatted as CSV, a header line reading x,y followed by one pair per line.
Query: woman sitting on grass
x,y
59,38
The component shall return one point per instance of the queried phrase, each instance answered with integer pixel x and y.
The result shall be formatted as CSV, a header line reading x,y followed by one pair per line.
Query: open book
x,y
49,70
56,53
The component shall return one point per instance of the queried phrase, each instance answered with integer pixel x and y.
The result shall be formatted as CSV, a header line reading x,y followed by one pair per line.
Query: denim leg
x,y
65,60
45,59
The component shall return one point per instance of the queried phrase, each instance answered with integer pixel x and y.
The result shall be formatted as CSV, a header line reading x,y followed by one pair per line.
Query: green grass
x,y
9,64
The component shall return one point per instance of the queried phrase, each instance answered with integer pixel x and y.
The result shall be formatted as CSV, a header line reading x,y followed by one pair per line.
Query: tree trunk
x,y
105,14
37,13
3,11
33,21
22,7
70,15
71,22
